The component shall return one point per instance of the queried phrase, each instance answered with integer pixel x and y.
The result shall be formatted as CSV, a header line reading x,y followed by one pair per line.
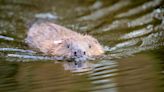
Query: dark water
x,y
131,31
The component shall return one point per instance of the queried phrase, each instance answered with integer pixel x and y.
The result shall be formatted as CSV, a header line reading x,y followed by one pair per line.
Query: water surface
x,y
132,33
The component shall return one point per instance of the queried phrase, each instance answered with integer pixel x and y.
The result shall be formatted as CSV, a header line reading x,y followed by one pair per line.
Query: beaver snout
x,y
79,53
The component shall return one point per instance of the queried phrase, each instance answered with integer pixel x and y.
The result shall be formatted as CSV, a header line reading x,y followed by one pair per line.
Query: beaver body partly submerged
x,y
53,39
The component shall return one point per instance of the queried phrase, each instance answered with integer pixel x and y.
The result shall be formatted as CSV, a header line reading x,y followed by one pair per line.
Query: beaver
x,y
53,39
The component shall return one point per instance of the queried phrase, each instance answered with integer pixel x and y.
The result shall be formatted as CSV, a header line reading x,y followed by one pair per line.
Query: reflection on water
x,y
132,33
78,66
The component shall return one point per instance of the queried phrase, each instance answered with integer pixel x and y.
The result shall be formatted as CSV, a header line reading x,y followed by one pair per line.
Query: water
x,y
132,33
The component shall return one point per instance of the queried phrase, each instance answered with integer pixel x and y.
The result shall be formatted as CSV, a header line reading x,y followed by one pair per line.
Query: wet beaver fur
x,y
53,39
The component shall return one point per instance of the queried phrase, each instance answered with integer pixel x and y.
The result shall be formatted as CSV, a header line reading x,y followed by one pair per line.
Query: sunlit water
x,y
131,31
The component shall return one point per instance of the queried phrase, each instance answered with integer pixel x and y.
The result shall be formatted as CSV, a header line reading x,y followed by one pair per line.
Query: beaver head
x,y
78,49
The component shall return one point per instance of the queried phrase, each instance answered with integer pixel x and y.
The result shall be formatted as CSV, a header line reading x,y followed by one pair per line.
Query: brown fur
x,y
53,39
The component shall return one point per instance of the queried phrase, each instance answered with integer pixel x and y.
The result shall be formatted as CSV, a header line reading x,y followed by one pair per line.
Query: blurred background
x,y
131,32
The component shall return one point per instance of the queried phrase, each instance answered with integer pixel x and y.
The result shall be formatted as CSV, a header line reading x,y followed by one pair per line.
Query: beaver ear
x,y
58,42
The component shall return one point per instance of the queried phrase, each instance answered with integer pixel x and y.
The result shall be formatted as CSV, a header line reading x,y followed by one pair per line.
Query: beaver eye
x,y
90,46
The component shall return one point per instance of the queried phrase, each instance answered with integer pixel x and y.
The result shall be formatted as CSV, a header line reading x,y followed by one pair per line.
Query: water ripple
x,y
126,28
140,8
6,38
16,50
105,11
138,33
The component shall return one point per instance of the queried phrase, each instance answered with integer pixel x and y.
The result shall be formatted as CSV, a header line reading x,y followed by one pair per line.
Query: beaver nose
x,y
75,53
79,53
84,52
